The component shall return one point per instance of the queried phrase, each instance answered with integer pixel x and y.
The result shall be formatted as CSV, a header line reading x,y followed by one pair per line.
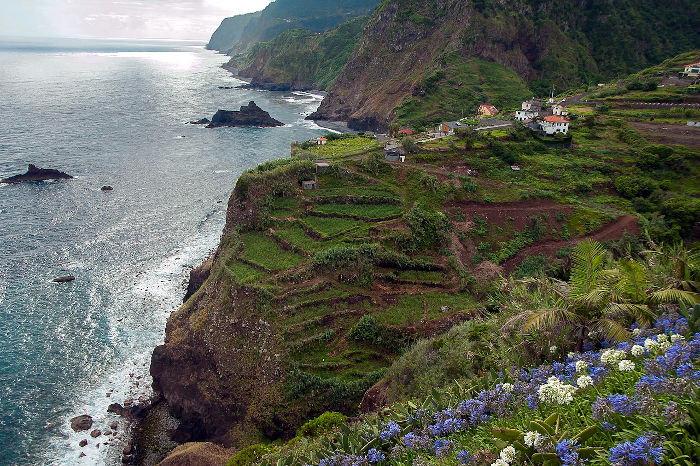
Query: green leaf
x,y
585,434
546,457
552,419
508,435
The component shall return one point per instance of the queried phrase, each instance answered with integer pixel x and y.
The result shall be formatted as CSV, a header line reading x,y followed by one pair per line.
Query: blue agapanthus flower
x,y
644,450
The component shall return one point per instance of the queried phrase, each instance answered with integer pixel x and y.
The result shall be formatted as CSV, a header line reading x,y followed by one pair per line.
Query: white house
x,y
692,70
551,125
487,110
559,110
524,115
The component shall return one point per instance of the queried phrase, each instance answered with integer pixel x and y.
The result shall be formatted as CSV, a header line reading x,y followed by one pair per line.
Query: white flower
x,y
499,462
584,381
637,351
531,438
612,356
626,365
675,337
581,366
507,387
508,454
650,344
556,392
571,355
636,332
662,338
553,349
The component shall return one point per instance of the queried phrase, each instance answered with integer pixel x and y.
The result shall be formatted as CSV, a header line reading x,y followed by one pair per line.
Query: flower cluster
x,y
556,392
667,359
645,450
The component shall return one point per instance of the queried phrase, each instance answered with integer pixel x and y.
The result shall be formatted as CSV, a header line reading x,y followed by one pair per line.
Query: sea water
x,y
109,113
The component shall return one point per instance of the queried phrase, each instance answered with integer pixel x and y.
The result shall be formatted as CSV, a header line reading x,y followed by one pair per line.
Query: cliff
x,y
238,33
248,115
413,55
300,59
230,32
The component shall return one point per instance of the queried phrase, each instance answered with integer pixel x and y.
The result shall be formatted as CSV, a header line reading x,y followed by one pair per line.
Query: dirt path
x,y
613,230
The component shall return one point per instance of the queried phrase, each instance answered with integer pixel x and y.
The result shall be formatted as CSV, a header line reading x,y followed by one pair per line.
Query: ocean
x,y
109,113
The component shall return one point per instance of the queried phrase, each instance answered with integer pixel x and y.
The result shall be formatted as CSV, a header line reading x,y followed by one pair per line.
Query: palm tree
x,y
598,299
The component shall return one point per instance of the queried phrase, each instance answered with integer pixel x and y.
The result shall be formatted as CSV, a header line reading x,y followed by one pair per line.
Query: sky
x,y
133,19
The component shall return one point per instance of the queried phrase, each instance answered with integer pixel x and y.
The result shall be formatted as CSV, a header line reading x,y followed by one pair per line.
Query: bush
x,y
249,455
322,424
642,86
409,145
366,329
635,186
428,227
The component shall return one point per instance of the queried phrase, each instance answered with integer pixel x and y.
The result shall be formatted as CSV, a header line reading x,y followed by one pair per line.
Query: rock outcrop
x,y
35,173
81,423
249,115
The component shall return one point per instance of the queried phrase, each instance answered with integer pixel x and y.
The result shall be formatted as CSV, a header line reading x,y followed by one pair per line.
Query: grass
x,y
421,276
297,237
327,227
346,147
408,310
265,251
360,210
245,273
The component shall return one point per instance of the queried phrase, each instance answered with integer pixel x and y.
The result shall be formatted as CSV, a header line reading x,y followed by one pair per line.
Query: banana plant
x,y
550,429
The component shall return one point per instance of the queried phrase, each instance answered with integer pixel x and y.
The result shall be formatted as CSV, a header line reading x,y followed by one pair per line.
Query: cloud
x,y
140,19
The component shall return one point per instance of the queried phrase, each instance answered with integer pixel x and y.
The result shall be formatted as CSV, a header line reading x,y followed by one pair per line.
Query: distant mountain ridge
x,y
238,33
418,59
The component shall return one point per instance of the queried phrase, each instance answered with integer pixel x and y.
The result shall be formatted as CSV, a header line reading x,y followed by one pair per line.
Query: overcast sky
x,y
138,19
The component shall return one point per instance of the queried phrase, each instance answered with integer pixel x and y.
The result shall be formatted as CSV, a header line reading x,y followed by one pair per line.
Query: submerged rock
x,y
66,279
248,115
80,423
37,174
107,188
95,433
203,121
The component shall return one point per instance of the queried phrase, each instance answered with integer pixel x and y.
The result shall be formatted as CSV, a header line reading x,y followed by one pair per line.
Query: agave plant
x,y
598,298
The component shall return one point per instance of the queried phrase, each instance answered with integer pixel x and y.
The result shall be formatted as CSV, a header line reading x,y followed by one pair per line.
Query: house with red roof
x,y
692,70
406,132
553,124
487,110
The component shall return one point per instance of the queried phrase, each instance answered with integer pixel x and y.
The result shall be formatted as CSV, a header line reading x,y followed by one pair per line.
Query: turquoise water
x,y
108,113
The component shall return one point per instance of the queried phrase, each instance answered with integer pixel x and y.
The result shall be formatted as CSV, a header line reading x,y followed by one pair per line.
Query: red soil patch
x,y
520,211
611,231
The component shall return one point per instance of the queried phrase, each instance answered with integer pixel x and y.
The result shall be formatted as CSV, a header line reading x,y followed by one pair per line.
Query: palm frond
x,y
548,318
673,295
641,312
588,258
611,329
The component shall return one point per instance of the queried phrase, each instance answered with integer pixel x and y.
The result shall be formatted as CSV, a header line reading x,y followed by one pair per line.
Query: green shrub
x,y
366,329
428,227
322,424
249,455
634,186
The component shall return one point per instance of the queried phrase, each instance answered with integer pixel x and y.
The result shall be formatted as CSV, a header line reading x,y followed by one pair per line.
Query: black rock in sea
x,y
203,121
37,174
66,279
248,115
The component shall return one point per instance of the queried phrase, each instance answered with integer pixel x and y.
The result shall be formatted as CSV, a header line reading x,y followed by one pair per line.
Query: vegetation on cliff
x,y
237,34
301,59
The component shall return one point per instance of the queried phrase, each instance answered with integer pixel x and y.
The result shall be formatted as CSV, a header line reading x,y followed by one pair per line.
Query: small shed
x,y
321,141
310,184
322,167
394,157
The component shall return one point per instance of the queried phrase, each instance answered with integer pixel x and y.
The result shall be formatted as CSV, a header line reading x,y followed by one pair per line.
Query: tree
x,y
599,299
409,145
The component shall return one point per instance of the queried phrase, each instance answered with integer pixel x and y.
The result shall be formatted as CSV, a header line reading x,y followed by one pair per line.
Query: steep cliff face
x,y
238,33
230,31
408,46
300,59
